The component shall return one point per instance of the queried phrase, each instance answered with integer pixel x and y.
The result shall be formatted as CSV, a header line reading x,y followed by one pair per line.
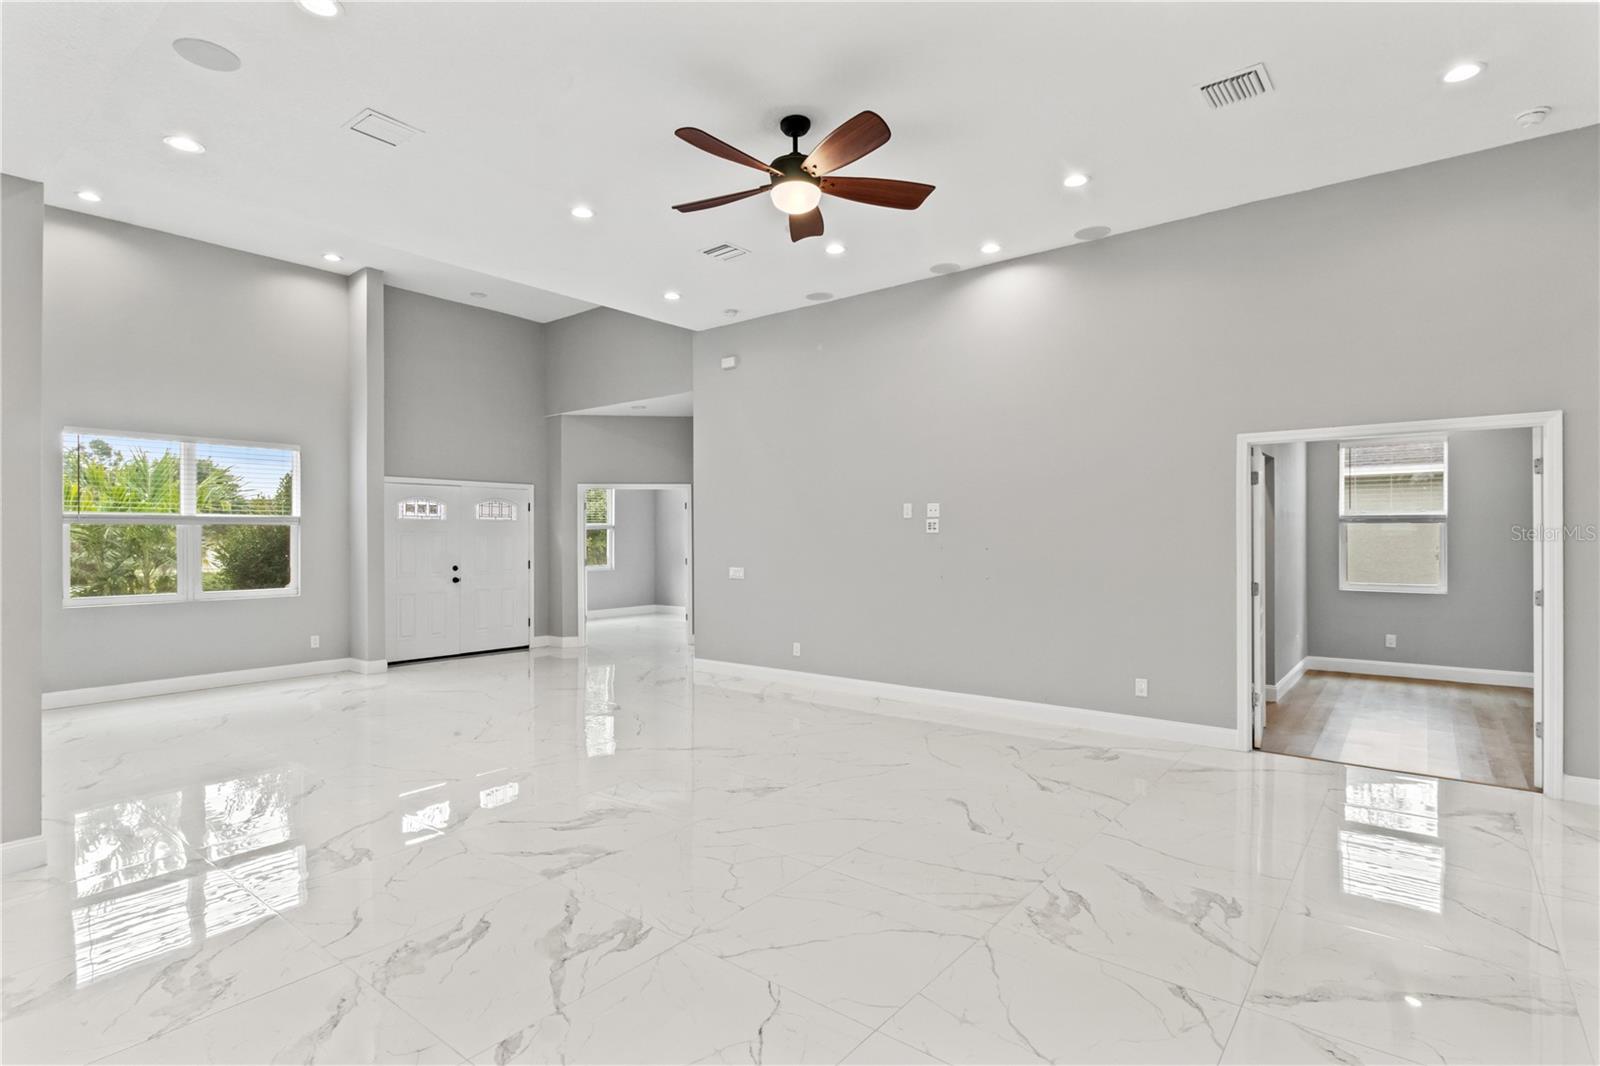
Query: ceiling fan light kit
x,y
800,179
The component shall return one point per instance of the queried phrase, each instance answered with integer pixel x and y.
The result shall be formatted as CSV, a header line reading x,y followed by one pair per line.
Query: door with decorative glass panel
x,y
459,568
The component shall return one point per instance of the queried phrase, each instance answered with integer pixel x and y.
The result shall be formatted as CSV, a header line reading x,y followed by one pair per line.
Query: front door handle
x,y
455,581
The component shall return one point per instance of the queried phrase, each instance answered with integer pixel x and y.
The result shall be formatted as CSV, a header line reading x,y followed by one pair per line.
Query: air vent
x,y
724,252
1237,88
381,127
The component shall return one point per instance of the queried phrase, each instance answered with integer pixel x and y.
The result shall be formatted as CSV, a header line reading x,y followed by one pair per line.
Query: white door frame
x,y
583,570
533,533
1549,629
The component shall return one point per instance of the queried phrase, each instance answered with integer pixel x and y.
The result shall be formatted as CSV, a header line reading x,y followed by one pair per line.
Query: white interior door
x,y
1258,598
494,560
1538,611
421,608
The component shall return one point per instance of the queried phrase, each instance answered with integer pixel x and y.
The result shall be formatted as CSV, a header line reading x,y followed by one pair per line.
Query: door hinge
x,y
1538,465
530,564
1255,588
1255,699
1538,597
1538,730
1255,477
530,621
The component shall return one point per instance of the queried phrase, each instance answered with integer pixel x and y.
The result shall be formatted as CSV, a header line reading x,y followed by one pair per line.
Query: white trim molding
x,y
19,855
905,701
1287,682
1548,675
1465,675
549,640
624,612
1577,789
166,686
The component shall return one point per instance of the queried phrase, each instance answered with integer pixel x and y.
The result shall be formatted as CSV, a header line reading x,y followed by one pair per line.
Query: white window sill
x,y
204,597
1425,590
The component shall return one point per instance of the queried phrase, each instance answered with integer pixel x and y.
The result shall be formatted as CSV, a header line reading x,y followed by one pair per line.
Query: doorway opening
x,y
1399,597
635,559
458,567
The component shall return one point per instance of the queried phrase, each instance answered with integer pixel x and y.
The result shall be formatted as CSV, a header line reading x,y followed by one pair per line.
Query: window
x,y
168,519
599,525
1392,515
496,511
426,510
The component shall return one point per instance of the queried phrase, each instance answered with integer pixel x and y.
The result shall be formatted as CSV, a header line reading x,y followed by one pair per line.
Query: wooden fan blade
x,y
718,201
806,225
862,134
707,143
879,192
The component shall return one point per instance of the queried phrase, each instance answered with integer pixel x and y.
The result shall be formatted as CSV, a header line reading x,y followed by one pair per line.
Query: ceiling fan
x,y
799,180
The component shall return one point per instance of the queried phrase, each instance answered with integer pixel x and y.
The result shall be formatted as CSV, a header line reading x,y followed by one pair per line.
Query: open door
x,y
1258,599
1538,612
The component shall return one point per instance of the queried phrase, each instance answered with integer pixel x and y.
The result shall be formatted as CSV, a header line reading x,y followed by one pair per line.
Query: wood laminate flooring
x,y
1478,733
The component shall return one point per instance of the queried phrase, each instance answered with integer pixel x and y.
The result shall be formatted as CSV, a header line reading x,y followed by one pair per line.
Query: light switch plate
x,y
932,525
933,510
905,510
1389,640
736,573
729,362
1141,687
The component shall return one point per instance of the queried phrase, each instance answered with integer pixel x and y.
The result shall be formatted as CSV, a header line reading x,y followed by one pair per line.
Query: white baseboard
x,y
166,686
906,701
552,641
19,855
1465,675
1575,789
1287,682
623,612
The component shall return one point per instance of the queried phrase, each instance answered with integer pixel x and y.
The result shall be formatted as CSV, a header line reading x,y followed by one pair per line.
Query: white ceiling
x,y
530,108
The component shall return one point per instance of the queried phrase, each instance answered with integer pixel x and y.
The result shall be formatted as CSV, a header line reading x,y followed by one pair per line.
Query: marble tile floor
x,y
588,857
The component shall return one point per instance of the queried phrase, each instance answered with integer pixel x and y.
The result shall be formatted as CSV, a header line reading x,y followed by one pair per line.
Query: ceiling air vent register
x,y
381,127
1237,88
724,252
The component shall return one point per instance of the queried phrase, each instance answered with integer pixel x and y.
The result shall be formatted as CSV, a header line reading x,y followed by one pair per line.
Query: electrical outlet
x,y
932,525
905,510
316,641
1141,687
1389,640
933,510
735,573
797,649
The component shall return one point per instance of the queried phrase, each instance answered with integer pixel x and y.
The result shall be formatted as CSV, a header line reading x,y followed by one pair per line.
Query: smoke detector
x,y
1237,87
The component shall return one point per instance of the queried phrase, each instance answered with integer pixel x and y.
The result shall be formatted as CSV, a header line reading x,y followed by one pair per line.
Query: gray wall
x,y
632,581
672,549
602,451
603,357
195,339
1104,385
465,398
1287,595
21,516
1485,620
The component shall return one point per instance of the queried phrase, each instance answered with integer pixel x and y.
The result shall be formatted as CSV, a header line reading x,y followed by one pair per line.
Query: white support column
x,y
22,522
367,636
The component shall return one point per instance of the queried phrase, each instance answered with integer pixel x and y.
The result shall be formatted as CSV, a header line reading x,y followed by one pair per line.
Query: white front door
x,y
1258,596
493,543
421,607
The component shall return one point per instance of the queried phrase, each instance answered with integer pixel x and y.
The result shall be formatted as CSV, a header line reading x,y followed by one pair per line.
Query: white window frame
x,y
609,525
188,525
1441,518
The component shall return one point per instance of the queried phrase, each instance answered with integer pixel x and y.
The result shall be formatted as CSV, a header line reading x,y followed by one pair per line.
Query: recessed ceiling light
x,y
321,8
583,211
182,142
834,248
819,297
671,295
88,196
1533,116
333,257
478,295
208,55
944,268
1462,72
731,312
638,407
1076,180
989,248
1413,1001
1093,233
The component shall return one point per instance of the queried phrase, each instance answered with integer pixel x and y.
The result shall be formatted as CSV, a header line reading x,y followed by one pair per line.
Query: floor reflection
x,y
1387,845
